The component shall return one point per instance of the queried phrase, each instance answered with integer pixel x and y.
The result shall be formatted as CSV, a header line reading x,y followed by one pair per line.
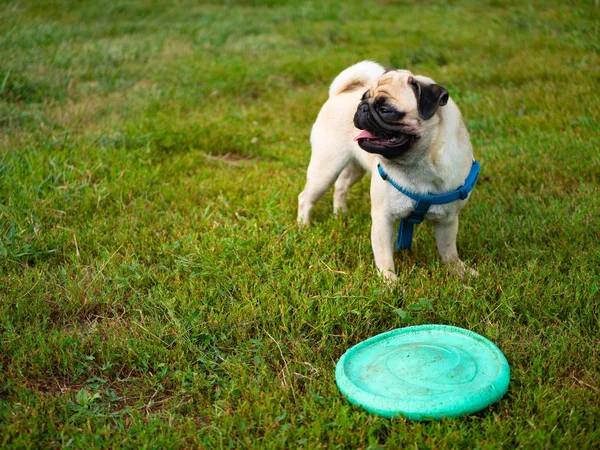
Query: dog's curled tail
x,y
358,76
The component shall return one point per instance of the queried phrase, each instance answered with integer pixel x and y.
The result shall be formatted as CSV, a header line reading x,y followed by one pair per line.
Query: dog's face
x,y
397,112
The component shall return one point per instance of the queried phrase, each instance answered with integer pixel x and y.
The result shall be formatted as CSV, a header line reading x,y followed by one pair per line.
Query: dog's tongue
x,y
364,134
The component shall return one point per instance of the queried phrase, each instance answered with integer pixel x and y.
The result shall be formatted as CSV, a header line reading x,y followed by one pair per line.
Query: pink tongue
x,y
365,135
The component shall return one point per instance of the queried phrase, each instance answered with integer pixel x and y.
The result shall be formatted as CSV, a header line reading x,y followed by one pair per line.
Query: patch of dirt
x,y
230,158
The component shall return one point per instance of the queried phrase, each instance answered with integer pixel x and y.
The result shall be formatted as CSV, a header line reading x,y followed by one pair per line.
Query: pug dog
x,y
410,127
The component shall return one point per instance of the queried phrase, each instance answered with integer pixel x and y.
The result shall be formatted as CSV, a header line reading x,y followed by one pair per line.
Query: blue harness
x,y
424,201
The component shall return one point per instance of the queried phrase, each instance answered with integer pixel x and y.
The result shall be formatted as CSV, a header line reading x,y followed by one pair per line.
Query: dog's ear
x,y
429,97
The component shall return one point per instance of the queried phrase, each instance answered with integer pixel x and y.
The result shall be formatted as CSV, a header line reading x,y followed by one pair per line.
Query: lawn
x,y
155,289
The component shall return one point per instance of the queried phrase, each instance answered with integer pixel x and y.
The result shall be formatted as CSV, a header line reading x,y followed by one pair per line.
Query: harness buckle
x,y
414,218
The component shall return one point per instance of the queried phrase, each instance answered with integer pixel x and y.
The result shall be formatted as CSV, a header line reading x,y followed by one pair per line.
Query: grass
x,y
155,289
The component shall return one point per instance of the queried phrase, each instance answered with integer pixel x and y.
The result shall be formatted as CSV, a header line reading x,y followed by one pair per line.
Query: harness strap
x,y
424,201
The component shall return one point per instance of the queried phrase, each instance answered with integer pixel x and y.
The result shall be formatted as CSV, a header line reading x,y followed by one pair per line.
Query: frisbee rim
x,y
471,401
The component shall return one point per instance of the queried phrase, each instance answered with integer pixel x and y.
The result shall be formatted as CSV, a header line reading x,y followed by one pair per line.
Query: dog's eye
x,y
389,114
384,110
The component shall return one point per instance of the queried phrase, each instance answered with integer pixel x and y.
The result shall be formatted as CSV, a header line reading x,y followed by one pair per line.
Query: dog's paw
x,y
460,269
340,210
389,276
302,221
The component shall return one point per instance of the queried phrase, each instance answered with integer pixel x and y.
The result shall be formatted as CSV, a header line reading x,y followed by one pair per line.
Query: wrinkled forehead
x,y
394,84
395,76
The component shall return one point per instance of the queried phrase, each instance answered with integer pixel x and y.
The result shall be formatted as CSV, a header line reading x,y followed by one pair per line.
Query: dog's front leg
x,y
382,240
446,230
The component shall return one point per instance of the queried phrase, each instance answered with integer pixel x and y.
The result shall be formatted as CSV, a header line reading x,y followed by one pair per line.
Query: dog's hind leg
x,y
322,172
351,174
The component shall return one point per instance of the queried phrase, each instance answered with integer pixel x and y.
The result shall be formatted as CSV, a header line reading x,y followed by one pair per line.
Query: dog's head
x,y
397,112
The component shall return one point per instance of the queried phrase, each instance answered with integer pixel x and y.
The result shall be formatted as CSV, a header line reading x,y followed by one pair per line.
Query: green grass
x,y
155,289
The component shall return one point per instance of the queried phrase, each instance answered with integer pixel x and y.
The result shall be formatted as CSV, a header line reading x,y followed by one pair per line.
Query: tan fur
x,y
438,162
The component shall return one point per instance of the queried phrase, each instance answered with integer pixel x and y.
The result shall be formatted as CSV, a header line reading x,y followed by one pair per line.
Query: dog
x,y
401,126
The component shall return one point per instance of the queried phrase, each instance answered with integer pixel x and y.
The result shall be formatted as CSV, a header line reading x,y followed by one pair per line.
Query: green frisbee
x,y
423,373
